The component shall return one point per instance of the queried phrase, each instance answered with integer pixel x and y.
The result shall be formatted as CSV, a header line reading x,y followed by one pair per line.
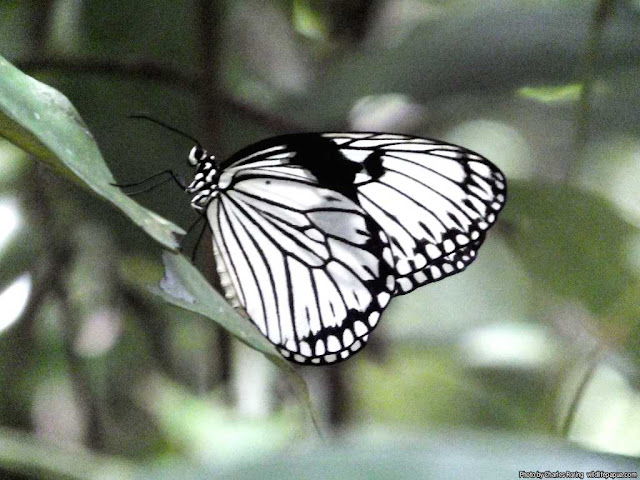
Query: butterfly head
x,y
197,155
204,183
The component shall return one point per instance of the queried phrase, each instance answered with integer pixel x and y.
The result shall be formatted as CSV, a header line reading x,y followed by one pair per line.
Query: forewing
x,y
434,200
305,262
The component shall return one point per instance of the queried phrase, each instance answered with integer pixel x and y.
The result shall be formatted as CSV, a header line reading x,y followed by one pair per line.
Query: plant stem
x,y
602,13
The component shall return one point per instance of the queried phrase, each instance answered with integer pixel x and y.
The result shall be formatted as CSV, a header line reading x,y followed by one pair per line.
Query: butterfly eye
x,y
196,154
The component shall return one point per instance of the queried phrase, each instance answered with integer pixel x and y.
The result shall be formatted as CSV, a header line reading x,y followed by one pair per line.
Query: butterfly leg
x,y
171,176
204,228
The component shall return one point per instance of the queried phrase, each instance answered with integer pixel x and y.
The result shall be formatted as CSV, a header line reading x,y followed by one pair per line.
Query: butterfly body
x,y
314,233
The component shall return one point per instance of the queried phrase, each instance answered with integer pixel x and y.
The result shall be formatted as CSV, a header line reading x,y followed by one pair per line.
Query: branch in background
x,y
40,25
594,362
58,254
154,72
210,48
147,317
140,70
41,286
209,19
603,12
77,368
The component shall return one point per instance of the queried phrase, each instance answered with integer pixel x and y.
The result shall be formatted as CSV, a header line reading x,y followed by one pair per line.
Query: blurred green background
x,y
526,361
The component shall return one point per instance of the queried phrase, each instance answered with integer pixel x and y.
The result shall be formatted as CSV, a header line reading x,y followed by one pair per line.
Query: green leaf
x,y
552,94
408,456
364,455
185,287
25,454
572,241
42,121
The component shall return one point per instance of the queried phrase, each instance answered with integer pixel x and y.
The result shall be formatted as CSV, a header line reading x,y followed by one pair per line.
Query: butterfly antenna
x,y
168,127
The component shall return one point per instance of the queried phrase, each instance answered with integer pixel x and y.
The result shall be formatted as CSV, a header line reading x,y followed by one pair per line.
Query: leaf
x,y
22,454
406,456
42,121
370,455
185,287
572,241
552,94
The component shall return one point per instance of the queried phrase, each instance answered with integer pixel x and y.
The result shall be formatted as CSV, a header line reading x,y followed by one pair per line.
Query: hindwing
x,y
305,262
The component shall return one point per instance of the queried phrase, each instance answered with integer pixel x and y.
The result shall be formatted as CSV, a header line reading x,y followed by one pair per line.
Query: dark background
x,y
536,344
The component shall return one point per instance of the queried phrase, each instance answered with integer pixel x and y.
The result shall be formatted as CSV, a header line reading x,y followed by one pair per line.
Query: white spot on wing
x,y
403,267
448,245
358,156
390,282
435,272
405,284
383,298
462,239
433,251
305,349
360,328
333,344
420,277
347,337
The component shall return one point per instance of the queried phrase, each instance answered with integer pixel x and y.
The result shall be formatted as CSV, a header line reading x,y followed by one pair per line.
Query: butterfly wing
x,y
434,200
315,232
305,262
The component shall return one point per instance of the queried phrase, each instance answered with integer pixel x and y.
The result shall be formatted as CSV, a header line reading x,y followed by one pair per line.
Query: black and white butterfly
x,y
314,233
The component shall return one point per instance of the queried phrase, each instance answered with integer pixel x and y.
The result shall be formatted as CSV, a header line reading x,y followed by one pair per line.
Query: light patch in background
x,y
508,346
65,26
55,412
307,22
98,333
391,112
442,311
501,143
12,161
196,422
252,379
552,94
13,301
608,416
612,168
9,220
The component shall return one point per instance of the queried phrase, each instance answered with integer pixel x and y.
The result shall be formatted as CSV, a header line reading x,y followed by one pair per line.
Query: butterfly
x,y
315,233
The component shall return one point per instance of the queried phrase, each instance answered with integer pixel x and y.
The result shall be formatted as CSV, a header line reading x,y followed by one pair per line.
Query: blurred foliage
x,y
496,370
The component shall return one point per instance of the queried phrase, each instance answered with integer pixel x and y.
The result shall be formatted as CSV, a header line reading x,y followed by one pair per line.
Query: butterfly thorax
x,y
205,180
